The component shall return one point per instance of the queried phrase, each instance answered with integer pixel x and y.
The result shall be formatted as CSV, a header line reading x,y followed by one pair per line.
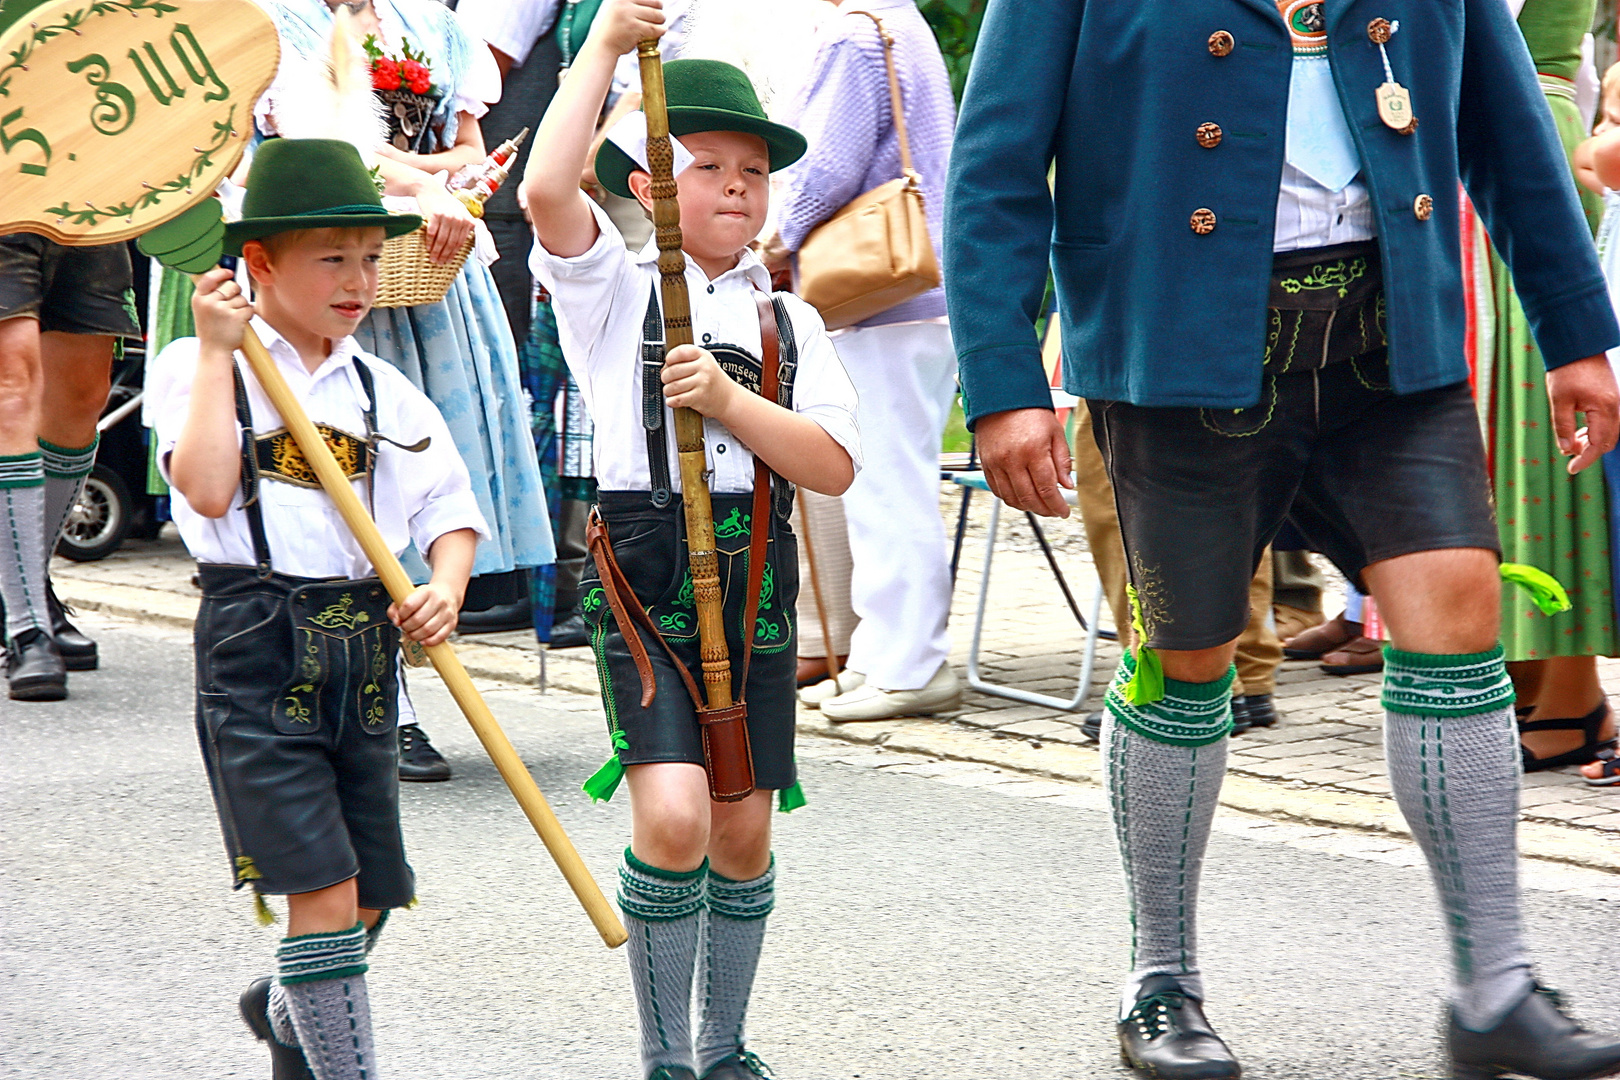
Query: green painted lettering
x,y
197,64
114,110
164,96
8,139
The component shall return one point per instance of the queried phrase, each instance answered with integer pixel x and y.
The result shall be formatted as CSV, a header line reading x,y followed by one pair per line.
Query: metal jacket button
x,y
1220,43
1203,221
1379,31
1423,207
1209,135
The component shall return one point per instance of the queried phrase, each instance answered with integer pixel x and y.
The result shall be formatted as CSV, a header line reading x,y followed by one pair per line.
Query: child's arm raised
x,y
562,221
430,613
795,447
206,463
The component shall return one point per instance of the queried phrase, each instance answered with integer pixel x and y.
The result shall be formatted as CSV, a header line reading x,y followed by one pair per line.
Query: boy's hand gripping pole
x,y
444,658
700,548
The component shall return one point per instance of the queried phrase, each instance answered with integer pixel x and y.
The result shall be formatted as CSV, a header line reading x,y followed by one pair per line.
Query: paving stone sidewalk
x,y
1329,741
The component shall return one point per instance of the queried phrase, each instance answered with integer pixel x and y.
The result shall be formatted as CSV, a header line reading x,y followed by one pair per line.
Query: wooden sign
x,y
116,115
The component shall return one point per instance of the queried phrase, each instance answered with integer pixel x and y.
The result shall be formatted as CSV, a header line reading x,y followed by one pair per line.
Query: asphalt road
x,y
923,929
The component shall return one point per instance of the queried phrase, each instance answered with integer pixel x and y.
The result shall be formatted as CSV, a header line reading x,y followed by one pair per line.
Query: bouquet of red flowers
x,y
405,85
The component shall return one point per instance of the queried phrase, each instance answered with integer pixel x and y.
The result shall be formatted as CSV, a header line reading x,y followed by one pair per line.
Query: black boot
x,y
570,633
1166,1036
286,1062
417,758
1256,710
1535,1039
78,652
34,668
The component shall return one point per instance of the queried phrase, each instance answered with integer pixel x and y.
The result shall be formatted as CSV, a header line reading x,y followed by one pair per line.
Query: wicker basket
x,y
408,277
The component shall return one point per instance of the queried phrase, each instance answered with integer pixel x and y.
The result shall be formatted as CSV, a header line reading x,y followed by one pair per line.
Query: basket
x,y
407,277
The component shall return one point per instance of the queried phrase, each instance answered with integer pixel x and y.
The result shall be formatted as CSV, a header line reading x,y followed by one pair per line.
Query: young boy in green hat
x,y
688,854
297,642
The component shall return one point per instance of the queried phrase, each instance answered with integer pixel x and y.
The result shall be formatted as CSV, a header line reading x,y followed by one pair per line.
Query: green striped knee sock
x,y
1163,764
728,956
23,553
323,977
1453,753
65,470
661,914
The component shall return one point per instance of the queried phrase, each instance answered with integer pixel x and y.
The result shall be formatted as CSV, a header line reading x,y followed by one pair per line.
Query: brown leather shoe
x,y
813,669
1293,621
1311,644
1360,656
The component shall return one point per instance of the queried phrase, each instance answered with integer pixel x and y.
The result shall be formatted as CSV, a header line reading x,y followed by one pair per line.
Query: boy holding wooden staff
x,y
297,683
688,851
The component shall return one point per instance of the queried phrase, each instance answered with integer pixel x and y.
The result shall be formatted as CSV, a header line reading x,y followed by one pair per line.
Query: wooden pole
x,y
688,424
444,658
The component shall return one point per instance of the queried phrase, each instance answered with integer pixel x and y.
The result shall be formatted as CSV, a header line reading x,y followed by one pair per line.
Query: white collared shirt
x,y
1309,215
419,496
601,302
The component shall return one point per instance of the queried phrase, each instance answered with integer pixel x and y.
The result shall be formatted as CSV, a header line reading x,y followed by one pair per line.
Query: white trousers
x,y
900,586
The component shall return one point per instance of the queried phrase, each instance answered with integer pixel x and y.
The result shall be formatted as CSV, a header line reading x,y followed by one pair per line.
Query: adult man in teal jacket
x,y
1252,225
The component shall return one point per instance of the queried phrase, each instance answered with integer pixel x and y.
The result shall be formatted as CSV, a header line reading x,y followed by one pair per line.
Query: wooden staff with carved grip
x,y
725,731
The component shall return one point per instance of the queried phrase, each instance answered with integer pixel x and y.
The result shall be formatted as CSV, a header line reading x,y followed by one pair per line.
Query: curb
x,y
572,671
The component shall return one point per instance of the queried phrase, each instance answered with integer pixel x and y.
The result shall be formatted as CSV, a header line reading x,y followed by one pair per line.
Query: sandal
x,y
1590,724
1610,773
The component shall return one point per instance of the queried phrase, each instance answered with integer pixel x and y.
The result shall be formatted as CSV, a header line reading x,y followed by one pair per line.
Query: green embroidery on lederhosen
x,y
736,524
346,635
682,622
1339,275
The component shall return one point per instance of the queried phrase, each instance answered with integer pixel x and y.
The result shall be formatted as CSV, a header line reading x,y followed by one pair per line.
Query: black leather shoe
x,y
1166,1036
1240,715
1536,1039
570,633
1091,727
78,652
34,668
743,1065
417,758
671,1072
286,1062
1257,710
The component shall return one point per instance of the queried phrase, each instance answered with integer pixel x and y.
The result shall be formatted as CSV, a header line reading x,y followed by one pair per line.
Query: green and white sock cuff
x,y
1189,714
21,471
65,463
652,894
1427,684
316,957
752,899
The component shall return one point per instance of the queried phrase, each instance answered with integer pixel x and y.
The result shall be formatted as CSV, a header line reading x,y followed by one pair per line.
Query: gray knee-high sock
x,y
728,956
1453,754
661,913
324,978
281,1019
22,549
65,470
1163,764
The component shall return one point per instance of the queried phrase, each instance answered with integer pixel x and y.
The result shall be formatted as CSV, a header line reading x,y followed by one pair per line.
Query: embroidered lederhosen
x,y
297,699
648,534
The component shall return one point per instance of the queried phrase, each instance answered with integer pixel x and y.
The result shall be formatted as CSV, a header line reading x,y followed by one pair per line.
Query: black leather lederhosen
x,y
297,701
647,530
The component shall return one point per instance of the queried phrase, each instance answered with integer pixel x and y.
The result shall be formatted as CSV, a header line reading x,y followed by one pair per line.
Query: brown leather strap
x,y
770,355
894,93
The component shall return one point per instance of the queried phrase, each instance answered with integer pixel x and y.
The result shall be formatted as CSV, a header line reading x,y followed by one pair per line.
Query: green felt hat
x,y
706,95
310,184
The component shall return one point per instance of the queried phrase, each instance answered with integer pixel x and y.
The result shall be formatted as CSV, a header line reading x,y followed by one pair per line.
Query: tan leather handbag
x,y
875,252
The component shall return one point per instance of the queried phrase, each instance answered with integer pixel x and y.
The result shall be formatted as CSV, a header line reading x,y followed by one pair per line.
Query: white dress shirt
x,y
1309,215
419,496
600,299
512,26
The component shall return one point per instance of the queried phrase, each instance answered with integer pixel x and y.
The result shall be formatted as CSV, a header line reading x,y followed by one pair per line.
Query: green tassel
x,y
1543,588
790,799
262,910
1146,684
605,781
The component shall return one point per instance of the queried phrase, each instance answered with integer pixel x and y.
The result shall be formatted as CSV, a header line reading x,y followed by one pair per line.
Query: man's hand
x,y
427,615
1026,459
621,25
221,312
693,380
448,222
1586,386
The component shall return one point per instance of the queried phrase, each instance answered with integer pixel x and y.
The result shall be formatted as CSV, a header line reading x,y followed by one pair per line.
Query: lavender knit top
x,y
843,109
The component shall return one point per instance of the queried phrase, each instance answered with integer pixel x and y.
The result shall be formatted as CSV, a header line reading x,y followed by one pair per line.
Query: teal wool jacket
x,y
1159,308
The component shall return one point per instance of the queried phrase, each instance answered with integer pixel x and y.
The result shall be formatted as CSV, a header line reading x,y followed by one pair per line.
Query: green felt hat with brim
x,y
310,184
706,95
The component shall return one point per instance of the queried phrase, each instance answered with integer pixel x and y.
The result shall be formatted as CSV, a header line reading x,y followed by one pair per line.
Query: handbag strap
x,y
897,106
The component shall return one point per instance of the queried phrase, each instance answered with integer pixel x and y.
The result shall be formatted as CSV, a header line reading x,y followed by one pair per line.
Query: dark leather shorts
x,y
1363,473
297,702
650,545
71,290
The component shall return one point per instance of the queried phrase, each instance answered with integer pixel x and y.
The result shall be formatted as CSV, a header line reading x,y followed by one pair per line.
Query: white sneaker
x,y
813,695
942,694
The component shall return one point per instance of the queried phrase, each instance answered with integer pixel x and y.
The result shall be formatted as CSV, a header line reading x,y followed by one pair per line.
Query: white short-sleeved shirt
x,y
419,496
512,26
600,299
